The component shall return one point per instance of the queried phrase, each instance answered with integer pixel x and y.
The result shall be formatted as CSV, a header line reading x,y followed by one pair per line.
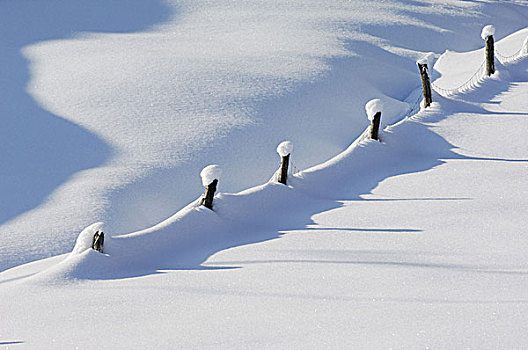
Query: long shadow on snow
x,y
407,147
329,98
42,150
262,213
449,31
329,111
451,267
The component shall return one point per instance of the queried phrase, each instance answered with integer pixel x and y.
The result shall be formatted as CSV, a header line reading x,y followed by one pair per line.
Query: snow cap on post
x,y
284,148
427,59
487,31
210,173
372,107
85,238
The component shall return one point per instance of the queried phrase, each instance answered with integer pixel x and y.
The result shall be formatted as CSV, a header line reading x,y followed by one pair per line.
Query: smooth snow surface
x,y
284,148
372,107
488,30
210,173
111,108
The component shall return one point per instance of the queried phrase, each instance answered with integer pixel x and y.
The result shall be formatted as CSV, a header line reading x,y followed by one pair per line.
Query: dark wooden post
x,y
283,174
490,55
426,84
374,126
207,200
98,241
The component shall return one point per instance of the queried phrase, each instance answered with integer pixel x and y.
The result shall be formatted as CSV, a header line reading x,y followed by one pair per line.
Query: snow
x,y
210,173
428,59
121,106
372,107
414,242
284,148
85,238
488,30
445,259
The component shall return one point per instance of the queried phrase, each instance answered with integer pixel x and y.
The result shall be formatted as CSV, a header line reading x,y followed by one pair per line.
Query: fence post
x,y
374,109
210,175
98,241
207,200
284,149
374,126
487,36
490,56
426,83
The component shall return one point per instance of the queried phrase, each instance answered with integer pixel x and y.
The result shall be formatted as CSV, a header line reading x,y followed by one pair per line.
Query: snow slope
x,y
111,109
415,242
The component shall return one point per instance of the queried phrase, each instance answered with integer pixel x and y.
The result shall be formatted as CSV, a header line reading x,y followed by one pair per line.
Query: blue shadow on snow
x,y
40,150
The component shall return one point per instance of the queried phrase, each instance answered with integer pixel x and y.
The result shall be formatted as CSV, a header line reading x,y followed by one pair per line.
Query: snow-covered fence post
x,y
284,149
210,175
374,109
426,83
487,36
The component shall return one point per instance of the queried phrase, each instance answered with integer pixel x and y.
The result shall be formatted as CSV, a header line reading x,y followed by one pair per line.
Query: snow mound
x,y
284,148
372,107
85,238
525,47
210,173
487,31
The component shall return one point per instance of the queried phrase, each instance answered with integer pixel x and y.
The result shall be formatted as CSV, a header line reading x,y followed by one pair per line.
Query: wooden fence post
x,y
374,126
98,241
210,175
490,56
284,149
207,200
426,83
283,175
374,109
487,36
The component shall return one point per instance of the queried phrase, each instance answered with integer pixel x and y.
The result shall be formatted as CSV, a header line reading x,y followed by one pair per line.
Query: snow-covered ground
x,y
111,109
415,242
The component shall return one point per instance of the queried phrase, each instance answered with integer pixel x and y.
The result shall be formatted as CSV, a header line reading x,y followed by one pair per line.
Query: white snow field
x,y
414,242
112,108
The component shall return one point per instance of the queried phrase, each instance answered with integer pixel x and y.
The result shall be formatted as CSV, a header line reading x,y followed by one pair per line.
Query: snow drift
x,y
112,120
